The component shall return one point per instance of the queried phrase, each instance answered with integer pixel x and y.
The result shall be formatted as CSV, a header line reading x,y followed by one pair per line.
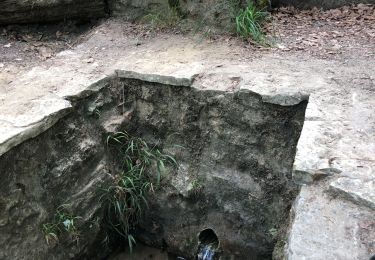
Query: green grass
x,y
143,170
51,232
249,23
63,222
197,185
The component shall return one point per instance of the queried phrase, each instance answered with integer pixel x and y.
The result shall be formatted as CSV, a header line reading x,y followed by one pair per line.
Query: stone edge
x,y
34,130
155,78
51,119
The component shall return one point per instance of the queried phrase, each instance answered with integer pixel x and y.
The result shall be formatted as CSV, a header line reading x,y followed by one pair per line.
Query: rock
x,y
162,79
308,177
45,113
359,191
323,227
238,172
234,176
29,11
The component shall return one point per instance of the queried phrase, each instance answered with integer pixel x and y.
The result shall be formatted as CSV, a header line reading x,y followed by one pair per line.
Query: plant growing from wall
x,y
143,169
249,23
63,223
197,186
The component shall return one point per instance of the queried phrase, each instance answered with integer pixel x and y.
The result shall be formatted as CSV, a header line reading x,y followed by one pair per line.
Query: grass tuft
x,y
63,222
143,169
249,23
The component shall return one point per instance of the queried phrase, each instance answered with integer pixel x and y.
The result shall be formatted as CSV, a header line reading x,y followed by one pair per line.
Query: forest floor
x,y
343,33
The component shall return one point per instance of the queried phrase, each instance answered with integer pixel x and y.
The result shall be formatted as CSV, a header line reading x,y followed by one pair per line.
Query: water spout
x,y
208,245
207,253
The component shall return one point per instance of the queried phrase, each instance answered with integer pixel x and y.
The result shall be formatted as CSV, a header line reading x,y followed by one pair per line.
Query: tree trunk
x,y
29,11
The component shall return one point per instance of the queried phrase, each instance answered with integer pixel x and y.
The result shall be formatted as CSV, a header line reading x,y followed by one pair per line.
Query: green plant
x,y
51,232
63,222
143,169
273,232
197,185
249,23
66,220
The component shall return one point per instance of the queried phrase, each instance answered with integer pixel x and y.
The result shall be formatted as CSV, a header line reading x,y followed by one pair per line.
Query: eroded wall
x,y
235,154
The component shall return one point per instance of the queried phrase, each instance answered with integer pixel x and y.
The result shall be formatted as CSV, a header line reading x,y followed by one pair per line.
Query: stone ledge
x,y
11,135
326,228
155,78
45,112
286,99
361,192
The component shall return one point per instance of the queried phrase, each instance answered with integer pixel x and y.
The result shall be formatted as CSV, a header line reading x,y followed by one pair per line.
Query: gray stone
x,y
323,227
308,177
222,147
229,170
162,79
28,11
14,131
286,99
359,191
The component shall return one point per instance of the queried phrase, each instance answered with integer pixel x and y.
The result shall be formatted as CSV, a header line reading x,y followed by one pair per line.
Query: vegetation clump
x,y
126,197
249,23
62,223
143,169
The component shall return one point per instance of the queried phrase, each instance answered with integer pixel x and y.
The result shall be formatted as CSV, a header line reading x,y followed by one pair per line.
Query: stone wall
x,y
30,11
236,154
213,12
240,151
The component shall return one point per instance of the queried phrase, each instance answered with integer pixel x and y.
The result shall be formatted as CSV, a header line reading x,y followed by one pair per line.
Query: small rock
x,y
308,177
89,60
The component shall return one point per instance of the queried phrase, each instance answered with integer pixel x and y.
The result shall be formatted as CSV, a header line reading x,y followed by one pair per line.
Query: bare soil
x,y
326,34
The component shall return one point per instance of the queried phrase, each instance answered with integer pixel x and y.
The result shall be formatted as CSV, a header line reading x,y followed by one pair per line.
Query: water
x,y
206,253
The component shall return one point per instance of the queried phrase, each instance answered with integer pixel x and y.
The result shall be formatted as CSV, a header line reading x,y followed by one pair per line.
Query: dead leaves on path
x,y
325,31
40,41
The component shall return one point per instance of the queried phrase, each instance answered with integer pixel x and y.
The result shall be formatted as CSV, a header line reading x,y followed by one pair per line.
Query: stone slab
x,y
44,114
162,79
328,228
359,191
